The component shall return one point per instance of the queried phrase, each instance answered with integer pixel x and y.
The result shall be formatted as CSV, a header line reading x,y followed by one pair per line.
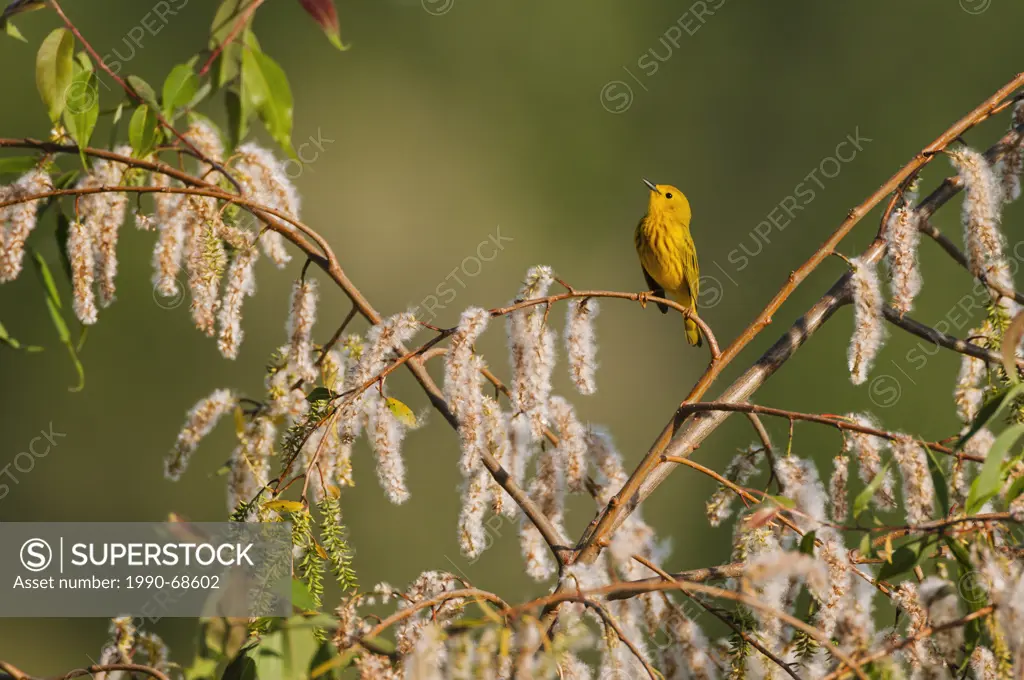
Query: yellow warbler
x,y
667,253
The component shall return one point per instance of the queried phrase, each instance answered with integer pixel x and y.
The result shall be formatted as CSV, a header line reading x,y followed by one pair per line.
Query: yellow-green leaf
x,y
282,505
180,87
142,131
54,70
265,85
401,412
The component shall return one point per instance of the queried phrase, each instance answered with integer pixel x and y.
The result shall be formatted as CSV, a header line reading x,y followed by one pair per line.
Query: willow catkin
x,y
264,179
19,220
581,344
532,348
386,436
868,322
918,489
572,443
741,468
475,499
837,488
239,283
462,385
205,259
981,215
201,420
301,319
170,218
969,391
104,213
499,445
868,449
250,462
902,237
83,267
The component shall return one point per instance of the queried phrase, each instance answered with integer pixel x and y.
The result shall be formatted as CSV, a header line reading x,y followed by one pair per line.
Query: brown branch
x,y
642,298
243,18
832,421
681,438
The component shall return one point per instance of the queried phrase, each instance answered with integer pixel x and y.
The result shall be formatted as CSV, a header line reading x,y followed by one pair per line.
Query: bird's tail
x,y
693,333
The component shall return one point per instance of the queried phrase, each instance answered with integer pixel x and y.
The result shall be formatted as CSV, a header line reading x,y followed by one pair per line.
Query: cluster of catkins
x,y
987,188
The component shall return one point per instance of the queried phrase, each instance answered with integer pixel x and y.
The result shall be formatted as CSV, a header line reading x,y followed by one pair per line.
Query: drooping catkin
x,y
170,246
940,600
206,260
868,322
103,214
581,344
83,266
199,422
918,489
868,449
902,237
981,215
547,490
19,220
969,391
250,461
263,178
386,436
205,138
837,488
802,484
475,497
532,348
498,443
462,385
1012,160
608,462
300,328
572,443
240,282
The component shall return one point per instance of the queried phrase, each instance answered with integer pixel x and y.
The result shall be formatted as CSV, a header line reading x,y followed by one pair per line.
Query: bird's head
x,y
667,200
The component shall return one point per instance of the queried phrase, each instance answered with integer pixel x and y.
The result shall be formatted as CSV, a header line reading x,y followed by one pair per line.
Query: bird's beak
x,y
650,185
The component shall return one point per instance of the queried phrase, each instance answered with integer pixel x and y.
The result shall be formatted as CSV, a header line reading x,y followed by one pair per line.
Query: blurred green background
x,y
448,120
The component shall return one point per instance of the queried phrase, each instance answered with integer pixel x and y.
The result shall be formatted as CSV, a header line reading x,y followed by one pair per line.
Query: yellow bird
x,y
667,254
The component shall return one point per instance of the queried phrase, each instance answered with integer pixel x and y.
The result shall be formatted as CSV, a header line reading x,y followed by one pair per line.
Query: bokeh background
x,y
450,120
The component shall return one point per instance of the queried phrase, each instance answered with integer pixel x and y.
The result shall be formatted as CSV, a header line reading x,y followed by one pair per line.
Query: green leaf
x,y
327,663
987,483
938,481
54,70
863,499
53,304
180,87
12,30
145,92
1015,490
241,668
238,117
989,410
319,394
959,551
225,20
301,597
904,559
865,545
82,108
143,133
17,165
266,87
807,543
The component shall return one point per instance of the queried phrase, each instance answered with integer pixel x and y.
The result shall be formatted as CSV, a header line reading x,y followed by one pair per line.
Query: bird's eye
x,y
669,195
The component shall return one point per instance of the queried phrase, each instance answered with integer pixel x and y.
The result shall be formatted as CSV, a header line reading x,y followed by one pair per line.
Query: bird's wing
x,y
655,288
692,274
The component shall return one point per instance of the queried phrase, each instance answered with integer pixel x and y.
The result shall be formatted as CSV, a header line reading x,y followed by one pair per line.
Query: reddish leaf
x,y
324,13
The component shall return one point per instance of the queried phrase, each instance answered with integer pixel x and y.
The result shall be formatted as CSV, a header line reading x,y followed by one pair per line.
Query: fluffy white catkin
x,y
868,322
581,344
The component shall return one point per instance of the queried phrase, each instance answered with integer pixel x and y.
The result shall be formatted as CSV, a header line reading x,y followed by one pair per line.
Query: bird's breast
x,y
659,245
